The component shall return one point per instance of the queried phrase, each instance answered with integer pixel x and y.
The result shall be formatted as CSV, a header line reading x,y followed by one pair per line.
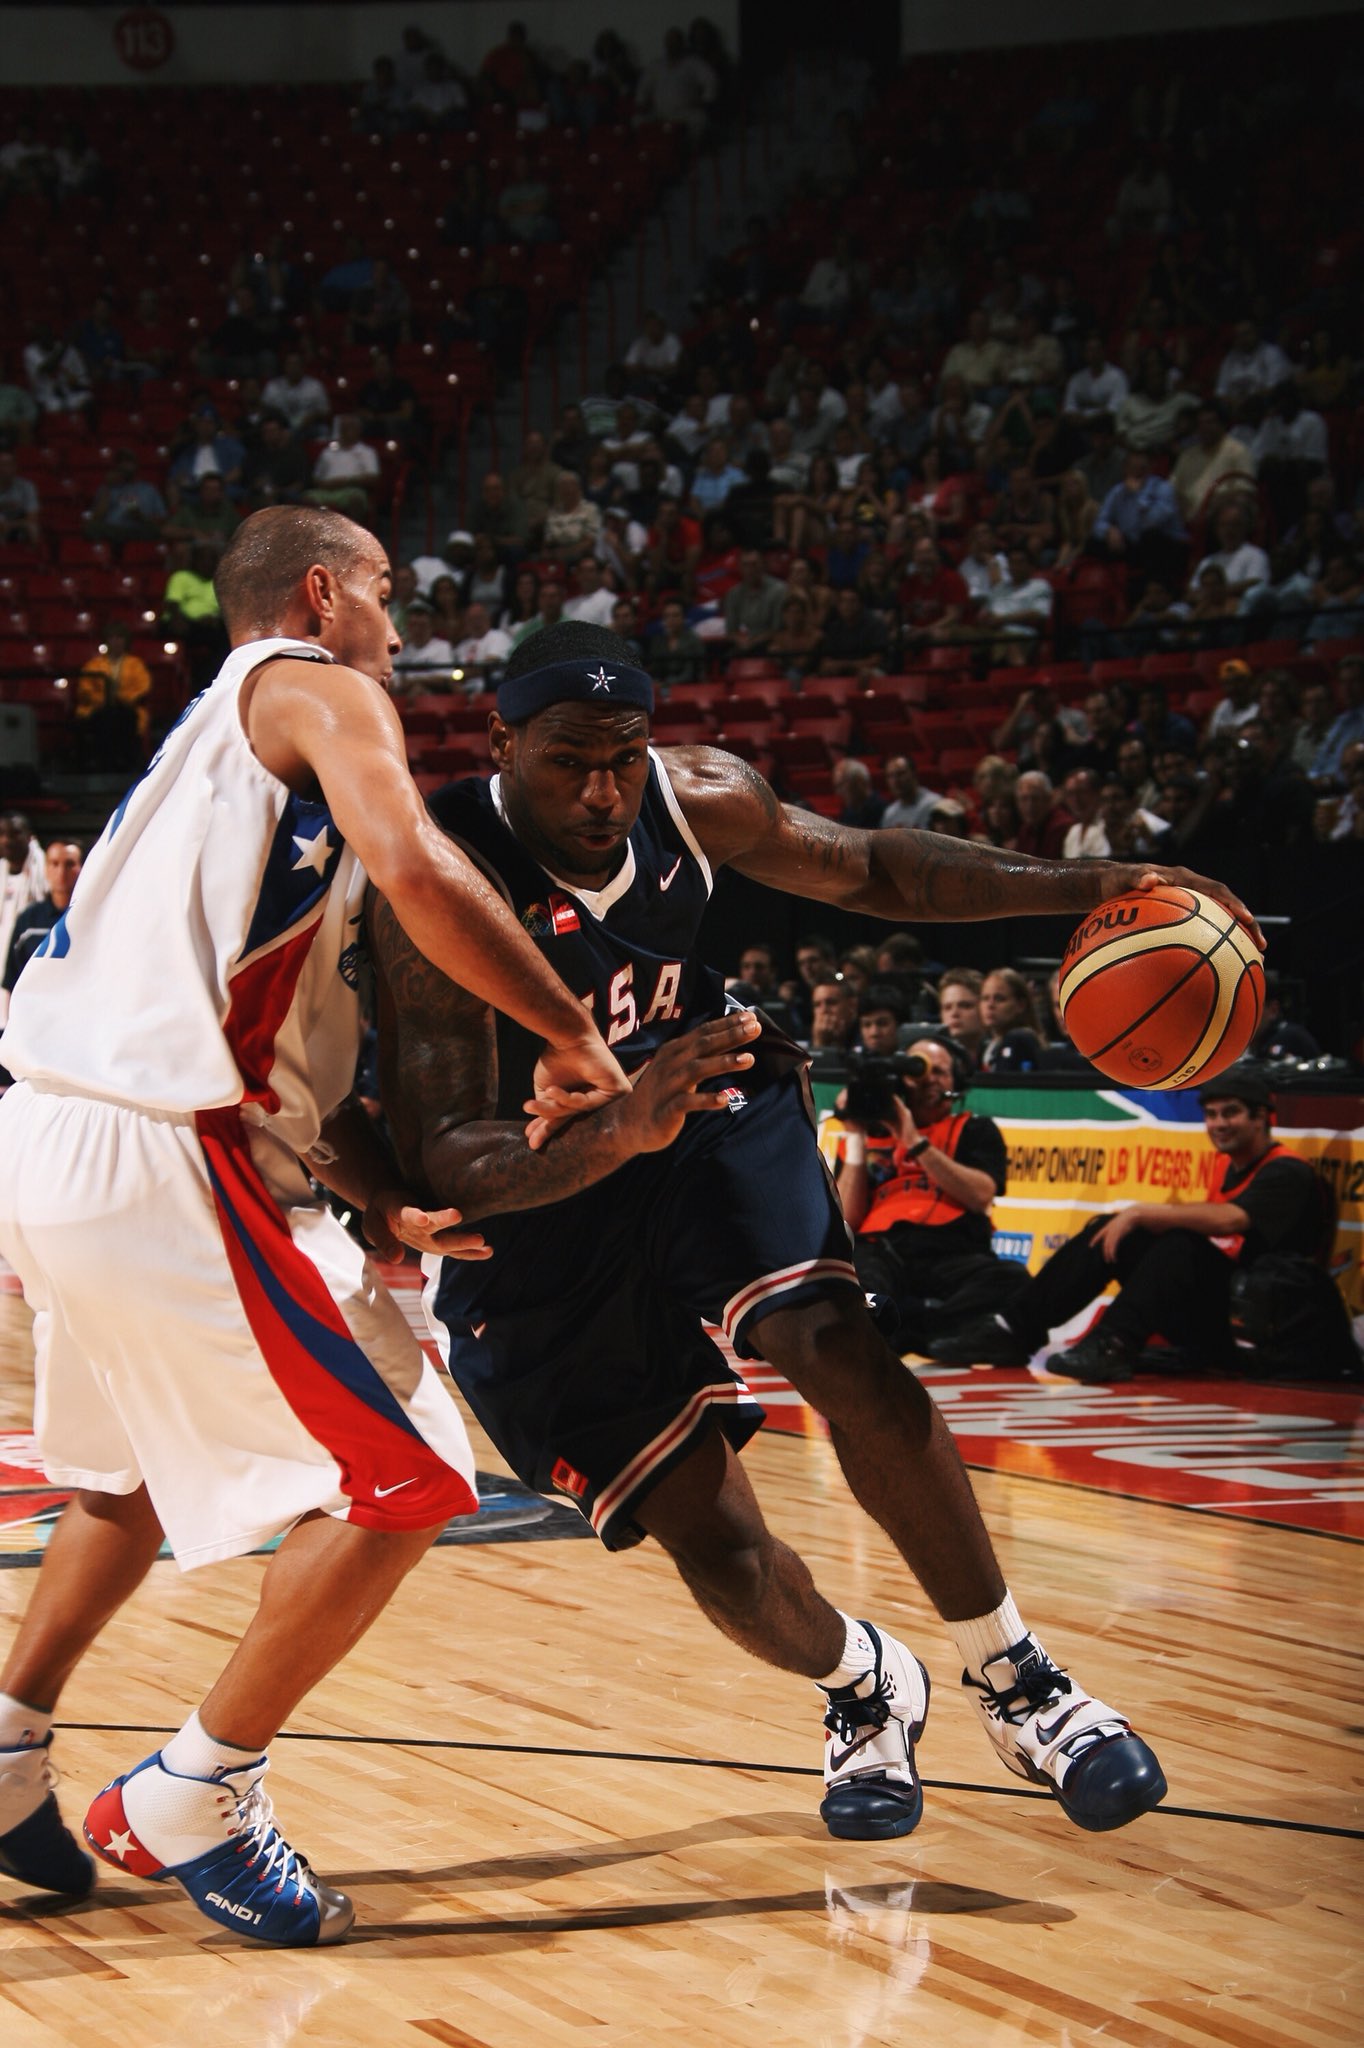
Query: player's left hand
x,y
1146,877
393,1220
569,1082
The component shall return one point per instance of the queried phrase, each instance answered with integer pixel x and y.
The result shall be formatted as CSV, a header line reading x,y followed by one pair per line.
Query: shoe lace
x,y
1037,1684
849,1712
1040,1686
256,1822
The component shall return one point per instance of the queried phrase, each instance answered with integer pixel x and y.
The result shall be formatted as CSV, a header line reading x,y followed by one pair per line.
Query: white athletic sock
x,y
194,1754
859,1655
21,1726
988,1635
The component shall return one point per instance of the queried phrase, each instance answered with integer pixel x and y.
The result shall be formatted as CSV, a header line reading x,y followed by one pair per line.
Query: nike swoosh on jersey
x,y
666,881
382,1492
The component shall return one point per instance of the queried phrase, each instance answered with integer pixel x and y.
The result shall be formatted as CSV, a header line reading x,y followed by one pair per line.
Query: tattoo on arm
x,y
488,1169
438,1079
832,850
759,790
946,875
437,1045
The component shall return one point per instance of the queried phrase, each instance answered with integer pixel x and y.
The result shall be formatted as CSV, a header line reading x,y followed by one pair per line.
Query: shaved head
x,y
271,552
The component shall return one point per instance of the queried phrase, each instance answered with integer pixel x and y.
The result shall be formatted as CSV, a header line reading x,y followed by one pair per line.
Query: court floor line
x,y
1233,1511
718,1763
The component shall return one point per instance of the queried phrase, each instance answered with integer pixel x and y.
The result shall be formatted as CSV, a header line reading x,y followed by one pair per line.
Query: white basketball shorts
x,y
203,1324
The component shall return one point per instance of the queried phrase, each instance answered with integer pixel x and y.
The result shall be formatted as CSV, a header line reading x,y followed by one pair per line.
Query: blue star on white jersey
x,y
313,853
601,680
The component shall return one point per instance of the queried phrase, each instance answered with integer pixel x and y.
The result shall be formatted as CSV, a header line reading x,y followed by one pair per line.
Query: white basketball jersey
x,y
209,955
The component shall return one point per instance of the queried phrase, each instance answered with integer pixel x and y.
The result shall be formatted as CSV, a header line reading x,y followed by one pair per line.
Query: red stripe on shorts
x,y
392,1476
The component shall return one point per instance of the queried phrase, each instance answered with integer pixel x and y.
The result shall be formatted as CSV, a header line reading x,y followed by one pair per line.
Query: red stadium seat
x,y
751,731
766,689
684,733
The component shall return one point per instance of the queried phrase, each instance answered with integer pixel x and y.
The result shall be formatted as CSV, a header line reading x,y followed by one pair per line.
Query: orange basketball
x,y
1161,988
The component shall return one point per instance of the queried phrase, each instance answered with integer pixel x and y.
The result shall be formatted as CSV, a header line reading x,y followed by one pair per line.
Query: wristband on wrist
x,y
854,1148
917,1149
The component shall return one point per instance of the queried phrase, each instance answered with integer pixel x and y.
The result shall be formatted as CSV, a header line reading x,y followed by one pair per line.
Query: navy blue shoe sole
x,y
877,1808
872,1809
43,1853
1112,1786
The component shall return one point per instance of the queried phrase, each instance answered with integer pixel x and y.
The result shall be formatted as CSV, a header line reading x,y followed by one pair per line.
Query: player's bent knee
x,y
733,1576
836,1359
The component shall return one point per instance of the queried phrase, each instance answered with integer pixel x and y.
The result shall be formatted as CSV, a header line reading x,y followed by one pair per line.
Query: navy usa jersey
x,y
627,950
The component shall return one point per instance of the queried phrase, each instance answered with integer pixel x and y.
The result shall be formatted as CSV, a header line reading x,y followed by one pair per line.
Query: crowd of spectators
x,y
1017,487
145,410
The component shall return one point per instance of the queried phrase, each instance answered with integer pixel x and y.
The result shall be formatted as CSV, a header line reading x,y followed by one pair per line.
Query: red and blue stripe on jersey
x,y
392,1476
299,870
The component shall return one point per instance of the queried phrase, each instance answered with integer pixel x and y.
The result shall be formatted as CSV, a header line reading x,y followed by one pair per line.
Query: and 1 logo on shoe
x,y
237,1912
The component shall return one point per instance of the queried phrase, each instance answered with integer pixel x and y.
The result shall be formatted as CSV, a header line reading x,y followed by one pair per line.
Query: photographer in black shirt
x,y
1174,1261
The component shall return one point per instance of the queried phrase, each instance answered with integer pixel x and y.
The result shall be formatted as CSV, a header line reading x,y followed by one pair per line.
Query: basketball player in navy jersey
x,y
578,1338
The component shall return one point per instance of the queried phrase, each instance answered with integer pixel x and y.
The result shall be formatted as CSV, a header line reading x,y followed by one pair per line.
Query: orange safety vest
x,y
1216,1193
911,1197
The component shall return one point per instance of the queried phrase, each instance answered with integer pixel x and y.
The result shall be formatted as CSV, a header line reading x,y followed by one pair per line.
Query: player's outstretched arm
x,y
309,722
438,1082
739,819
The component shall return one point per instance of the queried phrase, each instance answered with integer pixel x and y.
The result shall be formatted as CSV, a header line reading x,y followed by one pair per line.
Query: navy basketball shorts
x,y
579,1345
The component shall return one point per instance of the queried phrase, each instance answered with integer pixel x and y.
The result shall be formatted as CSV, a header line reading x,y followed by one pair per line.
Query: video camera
x,y
873,1080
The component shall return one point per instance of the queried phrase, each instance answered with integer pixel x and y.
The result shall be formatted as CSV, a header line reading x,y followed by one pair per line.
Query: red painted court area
x,y
1284,1454
1289,1455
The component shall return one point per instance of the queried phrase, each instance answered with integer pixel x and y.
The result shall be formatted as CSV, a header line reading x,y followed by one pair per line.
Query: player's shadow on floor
x,y
494,1934
506,1932
500,1873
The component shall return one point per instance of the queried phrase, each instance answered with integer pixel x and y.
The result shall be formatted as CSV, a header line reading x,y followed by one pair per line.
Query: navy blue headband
x,y
582,681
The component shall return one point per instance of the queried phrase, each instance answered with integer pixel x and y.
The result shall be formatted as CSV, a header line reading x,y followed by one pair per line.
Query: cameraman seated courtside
x,y
916,1181
1174,1261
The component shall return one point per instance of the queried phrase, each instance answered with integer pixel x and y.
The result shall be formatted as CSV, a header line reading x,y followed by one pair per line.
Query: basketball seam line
x,y
1165,996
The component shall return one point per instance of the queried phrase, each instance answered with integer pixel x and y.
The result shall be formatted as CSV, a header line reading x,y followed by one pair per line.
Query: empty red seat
x,y
754,732
745,710
684,733
832,729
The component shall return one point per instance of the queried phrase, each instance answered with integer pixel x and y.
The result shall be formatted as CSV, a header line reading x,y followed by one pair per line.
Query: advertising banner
x,y
1075,1151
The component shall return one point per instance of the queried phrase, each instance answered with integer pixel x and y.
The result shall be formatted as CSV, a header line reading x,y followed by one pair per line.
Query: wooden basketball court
x,y
570,1813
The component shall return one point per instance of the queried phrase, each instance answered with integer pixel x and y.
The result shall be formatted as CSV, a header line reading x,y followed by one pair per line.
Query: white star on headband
x,y
601,680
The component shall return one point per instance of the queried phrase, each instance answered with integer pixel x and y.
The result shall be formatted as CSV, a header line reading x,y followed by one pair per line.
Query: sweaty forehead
x,y
588,725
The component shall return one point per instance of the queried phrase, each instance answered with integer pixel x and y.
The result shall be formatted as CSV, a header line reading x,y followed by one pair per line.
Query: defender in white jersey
x,y
215,1357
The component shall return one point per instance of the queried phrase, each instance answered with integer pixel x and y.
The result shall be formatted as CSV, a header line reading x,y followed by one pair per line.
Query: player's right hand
x,y
1147,874
393,1220
673,1085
